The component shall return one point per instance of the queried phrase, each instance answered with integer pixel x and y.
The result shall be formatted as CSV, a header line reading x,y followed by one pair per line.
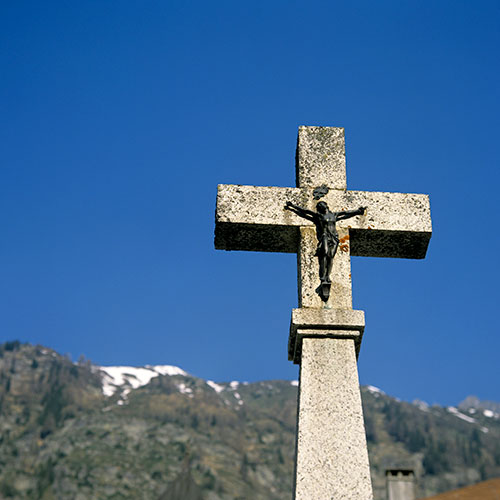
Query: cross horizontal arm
x,y
254,218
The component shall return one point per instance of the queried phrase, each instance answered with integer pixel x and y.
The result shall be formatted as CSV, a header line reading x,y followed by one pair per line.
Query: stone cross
x,y
331,453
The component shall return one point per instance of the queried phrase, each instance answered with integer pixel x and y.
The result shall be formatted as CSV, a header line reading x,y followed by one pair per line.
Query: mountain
x,y
79,431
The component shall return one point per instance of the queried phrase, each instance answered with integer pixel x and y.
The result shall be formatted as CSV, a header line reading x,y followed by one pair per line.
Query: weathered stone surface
x,y
332,457
328,319
320,157
308,272
324,323
254,218
308,269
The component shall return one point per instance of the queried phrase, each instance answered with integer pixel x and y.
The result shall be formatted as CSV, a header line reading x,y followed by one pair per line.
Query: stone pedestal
x,y
332,457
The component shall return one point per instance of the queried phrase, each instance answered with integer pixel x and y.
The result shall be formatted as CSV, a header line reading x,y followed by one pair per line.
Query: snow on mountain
x,y
167,370
127,378
422,405
459,414
132,377
490,414
184,389
214,386
374,390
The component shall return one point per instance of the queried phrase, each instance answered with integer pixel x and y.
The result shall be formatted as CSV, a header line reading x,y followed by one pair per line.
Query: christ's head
x,y
322,207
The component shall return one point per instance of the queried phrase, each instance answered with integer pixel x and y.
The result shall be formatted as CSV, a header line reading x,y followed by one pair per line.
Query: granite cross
x,y
325,338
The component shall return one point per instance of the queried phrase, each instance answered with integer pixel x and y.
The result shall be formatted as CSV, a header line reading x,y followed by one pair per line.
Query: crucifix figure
x,y
325,335
328,238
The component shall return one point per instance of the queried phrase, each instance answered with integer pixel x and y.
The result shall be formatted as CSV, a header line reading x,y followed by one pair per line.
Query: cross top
x,y
254,218
320,158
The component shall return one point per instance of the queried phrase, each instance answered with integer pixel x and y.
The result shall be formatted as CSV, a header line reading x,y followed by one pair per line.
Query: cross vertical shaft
x,y
320,161
331,450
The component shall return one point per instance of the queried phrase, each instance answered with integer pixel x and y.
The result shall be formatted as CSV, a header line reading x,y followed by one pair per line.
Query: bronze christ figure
x,y
328,238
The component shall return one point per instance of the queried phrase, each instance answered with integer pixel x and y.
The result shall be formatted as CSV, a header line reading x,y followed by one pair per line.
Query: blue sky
x,y
119,119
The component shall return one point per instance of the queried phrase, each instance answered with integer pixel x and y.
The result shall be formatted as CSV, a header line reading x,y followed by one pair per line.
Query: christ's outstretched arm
x,y
301,212
350,213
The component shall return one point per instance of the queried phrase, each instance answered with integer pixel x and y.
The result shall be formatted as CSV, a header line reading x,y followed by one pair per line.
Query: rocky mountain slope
x,y
77,431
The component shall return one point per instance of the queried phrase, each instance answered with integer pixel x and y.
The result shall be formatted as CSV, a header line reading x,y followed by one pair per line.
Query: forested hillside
x,y
79,431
